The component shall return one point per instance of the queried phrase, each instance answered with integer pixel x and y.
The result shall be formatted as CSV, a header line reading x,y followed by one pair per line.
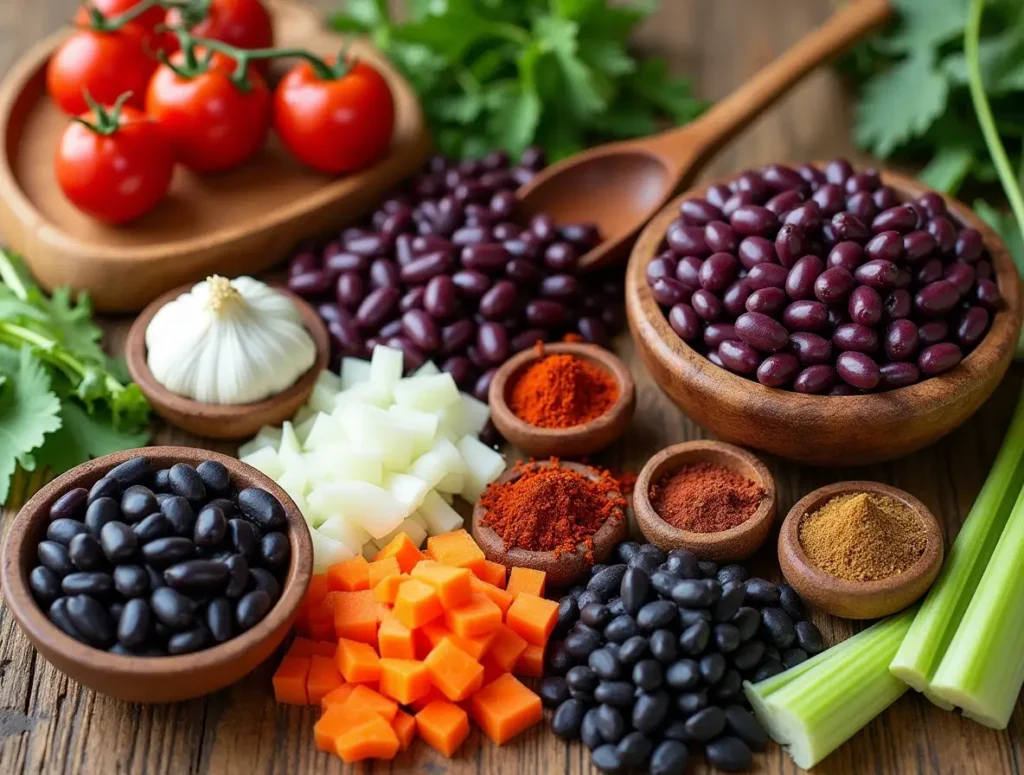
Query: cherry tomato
x,y
213,126
104,64
148,20
242,23
336,125
114,177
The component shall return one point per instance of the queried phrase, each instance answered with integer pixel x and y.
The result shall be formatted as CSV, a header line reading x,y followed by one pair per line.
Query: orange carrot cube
x,y
404,680
320,621
405,727
290,680
402,549
373,739
531,662
416,604
499,597
349,576
452,584
457,549
357,661
479,616
323,678
387,589
355,615
336,721
532,617
506,648
395,640
379,570
444,726
367,700
422,702
491,573
504,708
453,671
338,696
526,580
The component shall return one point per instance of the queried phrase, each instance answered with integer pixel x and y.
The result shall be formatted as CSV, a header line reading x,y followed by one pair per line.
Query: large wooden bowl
x,y
150,679
822,430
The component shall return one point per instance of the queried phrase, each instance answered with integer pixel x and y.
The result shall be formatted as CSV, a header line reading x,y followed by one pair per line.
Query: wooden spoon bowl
x,y
150,679
563,570
857,599
575,441
823,430
737,542
223,421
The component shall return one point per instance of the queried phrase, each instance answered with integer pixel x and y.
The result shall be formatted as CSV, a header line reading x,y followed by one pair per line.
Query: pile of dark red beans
x,y
152,563
822,281
446,271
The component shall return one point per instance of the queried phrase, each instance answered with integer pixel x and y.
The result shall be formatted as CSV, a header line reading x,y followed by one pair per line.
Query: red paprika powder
x,y
551,509
560,391
705,498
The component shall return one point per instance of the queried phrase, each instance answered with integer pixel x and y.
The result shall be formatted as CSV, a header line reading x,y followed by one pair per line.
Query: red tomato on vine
x,y
241,23
148,20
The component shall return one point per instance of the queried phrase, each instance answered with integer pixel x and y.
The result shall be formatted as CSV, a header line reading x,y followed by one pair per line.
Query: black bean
x,y
553,691
761,591
210,528
605,664
767,669
733,595
645,562
663,646
58,614
657,615
263,580
101,511
180,514
692,593
262,508
708,569
133,625
119,542
777,627
188,641
62,530
729,753
588,597
91,620
558,661
633,589
202,577
749,655
690,616
793,657
106,487
45,585
589,732
131,472
275,550
706,724
568,614
689,703
741,723
664,582
614,693
616,607
166,551
633,649
790,602
731,573
607,582
654,551
620,628
808,637
747,621
162,481
626,550
610,722
131,581
581,680
215,477
243,537
712,668
670,757
648,674
694,639
138,502
650,710
606,758
88,583
186,482
172,609
86,553
156,578
581,643
218,618
154,526
683,563
634,749
684,674
727,638
568,719
70,505
729,688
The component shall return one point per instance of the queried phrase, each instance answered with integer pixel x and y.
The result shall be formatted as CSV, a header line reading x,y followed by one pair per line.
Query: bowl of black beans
x,y
647,661
157,574
822,314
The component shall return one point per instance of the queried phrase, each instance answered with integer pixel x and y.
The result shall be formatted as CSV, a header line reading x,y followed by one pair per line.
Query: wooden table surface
x,y
49,724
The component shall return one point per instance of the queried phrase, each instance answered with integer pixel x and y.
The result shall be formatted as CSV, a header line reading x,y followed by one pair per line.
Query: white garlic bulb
x,y
229,342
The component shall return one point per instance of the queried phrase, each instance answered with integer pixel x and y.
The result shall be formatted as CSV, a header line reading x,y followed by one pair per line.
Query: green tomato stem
x,y
107,121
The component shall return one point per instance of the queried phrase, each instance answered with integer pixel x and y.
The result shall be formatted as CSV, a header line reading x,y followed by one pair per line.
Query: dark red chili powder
x,y
705,498
550,509
560,391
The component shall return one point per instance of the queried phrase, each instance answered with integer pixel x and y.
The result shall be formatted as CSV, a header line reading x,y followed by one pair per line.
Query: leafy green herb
x,y
557,73
62,400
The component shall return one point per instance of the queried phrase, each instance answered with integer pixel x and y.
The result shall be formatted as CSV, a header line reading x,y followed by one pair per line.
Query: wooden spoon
x,y
620,186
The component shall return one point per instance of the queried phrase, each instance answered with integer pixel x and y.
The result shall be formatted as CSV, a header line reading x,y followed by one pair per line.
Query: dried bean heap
x,y
822,281
447,271
647,661
170,562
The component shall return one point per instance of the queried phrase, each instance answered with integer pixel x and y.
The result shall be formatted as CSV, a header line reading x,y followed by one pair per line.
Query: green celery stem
x,y
943,609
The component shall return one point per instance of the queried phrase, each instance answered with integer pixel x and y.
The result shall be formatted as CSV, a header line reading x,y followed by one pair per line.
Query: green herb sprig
x,y
513,73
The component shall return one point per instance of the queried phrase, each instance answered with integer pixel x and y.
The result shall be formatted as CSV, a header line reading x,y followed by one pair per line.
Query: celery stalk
x,y
815,711
939,617
983,667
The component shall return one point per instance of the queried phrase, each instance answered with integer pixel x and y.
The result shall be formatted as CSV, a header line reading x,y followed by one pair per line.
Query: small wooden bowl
x,y
224,421
822,430
857,599
565,569
578,440
150,679
735,543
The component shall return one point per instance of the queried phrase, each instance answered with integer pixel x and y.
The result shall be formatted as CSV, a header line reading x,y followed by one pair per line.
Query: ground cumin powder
x,y
863,537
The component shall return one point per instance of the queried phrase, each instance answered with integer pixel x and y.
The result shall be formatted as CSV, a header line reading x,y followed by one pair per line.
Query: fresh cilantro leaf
x,y
83,435
559,36
947,170
515,120
1006,226
361,15
925,24
71,325
607,56
1002,61
671,95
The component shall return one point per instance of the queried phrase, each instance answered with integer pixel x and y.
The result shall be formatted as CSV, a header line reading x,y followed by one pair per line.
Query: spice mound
x,y
551,509
561,391
863,537
705,498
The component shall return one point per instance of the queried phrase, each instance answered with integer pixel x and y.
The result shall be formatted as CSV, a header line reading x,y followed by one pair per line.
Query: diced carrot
x,y
395,640
404,680
301,647
532,617
504,708
355,616
338,696
358,662
499,597
452,584
381,569
290,680
457,549
367,700
453,671
383,612
416,604
531,662
435,632
422,702
337,720
492,670
506,648
315,593
405,727
402,549
387,589
492,573
323,678
479,616
320,622
374,739
526,580
444,726
349,576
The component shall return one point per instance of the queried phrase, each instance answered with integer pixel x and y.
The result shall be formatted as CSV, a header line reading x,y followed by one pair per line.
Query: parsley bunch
x,y
513,73
62,401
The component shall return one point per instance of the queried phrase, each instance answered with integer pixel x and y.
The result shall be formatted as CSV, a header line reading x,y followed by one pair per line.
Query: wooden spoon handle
x,y
687,146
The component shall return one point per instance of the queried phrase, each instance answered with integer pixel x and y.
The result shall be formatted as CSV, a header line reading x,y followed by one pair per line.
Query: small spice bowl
x,y
224,421
735,543
858,599
575,441
565,569
138,678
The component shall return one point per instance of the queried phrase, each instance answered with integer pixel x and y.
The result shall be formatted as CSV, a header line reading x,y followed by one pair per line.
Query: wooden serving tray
x,y
241,222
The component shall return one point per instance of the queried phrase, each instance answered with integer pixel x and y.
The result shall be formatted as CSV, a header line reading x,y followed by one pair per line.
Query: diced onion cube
x,y
363,393
328,380
267,437
353,371
485,465
326,430
452,483
470,416
367,505
438,515
428,394
428,369
266,461
372,427
414,527
421,427
337,463
303,428
327,551
407,490
321,399
341,529
385,366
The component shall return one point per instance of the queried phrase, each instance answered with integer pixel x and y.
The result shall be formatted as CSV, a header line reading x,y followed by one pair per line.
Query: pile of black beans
x,y
647,661
448,270
822,281
152,563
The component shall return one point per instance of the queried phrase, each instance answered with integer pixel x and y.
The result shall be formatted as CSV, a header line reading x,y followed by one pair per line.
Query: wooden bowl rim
x,y
1002,334
504,379
602,534
860,591
697,451
33,620
138,366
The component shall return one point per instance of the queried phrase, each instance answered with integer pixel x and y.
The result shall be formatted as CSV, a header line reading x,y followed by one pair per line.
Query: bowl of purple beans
x,y
447,270
157,574
823,314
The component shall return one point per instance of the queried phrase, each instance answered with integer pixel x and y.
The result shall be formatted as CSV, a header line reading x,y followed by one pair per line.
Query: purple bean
x,y
717,194
761,332
800,280
855,337
778,369
781,178
814,379
938,358
349,289
898,374
593,330
668,292
421,330
972,326
861,181
885,197
812,175
543,227
390,329
384,274
713,357
735,298
865,306
523,246
790,244
561,257
837,171
987,294
457,336
767,301
698,212
862,204
583,236
810,348
506,230
523,272
847,226
528,338
969,247
716,333
707,306
858,370
932,204
460,368
937,298
879,274
368,244
901,218
439,298
806,217
546,313
739,357
753,220
805,316
719,237
345,336
885,246
686,240
961,275
309,283
751,183
684,322
471,283
471,235
487,257
558,286
756,250
842,389
848,255
499,300
767,276
303,262
483,384
413,299
492,342
662,266
918,245
932,332
944,234
782,203
426,267
830,199
503,204
330,312
930,271
688,271
833,285
718,271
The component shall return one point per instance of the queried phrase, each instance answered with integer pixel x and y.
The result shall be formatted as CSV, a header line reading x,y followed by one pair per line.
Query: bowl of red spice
x,y
553,516
714,499
563,400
